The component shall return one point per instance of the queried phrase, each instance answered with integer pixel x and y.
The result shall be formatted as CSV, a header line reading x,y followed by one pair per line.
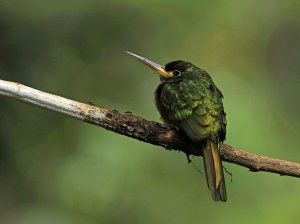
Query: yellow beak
x,y
154,66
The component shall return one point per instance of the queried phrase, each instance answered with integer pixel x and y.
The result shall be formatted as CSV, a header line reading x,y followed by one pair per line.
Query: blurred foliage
x,y
55,169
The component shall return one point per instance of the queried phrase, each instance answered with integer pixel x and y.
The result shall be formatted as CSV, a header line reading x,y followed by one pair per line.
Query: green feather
x,y
194,104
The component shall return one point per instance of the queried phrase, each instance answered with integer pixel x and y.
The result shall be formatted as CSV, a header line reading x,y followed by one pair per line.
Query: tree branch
x,y
141,129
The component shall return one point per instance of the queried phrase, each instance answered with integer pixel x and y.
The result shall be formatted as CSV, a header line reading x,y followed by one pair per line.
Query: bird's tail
x,y
214,171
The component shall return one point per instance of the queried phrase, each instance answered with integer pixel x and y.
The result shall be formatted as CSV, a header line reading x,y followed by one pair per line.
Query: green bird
x,y
188,99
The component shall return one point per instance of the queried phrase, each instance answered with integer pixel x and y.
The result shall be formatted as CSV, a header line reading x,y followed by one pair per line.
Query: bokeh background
x,y
54,169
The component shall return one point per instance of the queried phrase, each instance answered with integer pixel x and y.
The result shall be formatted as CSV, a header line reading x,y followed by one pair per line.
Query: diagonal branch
x,y
141,129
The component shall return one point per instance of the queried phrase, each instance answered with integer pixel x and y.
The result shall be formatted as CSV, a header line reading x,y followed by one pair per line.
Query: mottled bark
x,y
143,130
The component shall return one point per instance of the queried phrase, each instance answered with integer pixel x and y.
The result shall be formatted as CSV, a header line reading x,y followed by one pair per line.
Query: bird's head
x,y
172,70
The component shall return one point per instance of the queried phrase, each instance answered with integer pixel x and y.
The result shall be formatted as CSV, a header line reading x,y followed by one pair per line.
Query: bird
x,y
188,100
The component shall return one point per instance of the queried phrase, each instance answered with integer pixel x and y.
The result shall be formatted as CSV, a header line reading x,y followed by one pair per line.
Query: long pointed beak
x,y
154,66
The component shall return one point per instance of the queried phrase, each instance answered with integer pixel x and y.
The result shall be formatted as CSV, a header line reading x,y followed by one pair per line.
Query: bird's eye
x,y
176,73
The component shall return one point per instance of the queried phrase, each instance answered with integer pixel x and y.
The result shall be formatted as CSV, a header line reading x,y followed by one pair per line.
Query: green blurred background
x,y
54,169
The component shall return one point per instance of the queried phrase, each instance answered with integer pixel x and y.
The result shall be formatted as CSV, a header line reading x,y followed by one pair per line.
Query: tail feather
x,y
214,171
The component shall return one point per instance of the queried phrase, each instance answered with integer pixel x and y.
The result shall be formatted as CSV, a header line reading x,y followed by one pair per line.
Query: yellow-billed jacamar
x,y
187,98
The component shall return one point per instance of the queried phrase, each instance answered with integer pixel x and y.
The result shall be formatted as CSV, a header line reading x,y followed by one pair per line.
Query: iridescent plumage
x,y
192,102
188,99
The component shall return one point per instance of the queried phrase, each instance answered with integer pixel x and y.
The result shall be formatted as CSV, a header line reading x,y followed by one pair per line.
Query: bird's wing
x,y
196,107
